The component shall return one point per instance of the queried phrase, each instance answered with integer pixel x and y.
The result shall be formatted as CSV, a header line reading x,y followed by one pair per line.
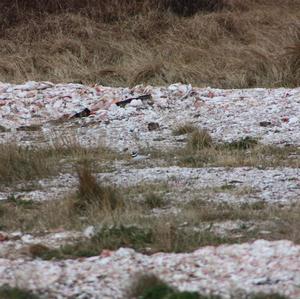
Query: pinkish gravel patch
x,y
226,270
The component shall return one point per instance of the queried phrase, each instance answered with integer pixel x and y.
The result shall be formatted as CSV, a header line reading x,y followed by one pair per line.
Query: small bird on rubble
x,y
137,157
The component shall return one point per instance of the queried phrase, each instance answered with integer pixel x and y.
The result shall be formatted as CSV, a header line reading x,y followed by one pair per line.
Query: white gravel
x,y
272,115
280,185
227,269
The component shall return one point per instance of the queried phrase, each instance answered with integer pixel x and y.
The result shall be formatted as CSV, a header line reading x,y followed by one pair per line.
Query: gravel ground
x,y
280,185
227,269
39,113
272,115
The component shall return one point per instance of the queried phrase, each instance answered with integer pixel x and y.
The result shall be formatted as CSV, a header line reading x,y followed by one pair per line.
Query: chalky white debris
x,y
227,269
273,115
268,185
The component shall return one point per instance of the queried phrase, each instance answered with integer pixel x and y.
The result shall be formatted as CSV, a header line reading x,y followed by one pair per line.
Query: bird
x,y
137,157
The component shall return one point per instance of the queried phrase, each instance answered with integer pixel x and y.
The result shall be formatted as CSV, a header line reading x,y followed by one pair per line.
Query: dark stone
x,y
186,8
153,126
84,113
30,128
265,123
129,100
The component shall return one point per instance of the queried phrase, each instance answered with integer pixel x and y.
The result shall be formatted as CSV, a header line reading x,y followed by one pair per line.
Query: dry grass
x,y
92,195
260,156
222,43
132,224
20,164
184,129
199,140
17,164
201,151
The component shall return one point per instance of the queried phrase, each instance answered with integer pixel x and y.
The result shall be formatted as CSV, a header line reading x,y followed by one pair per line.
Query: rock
x,y
3,237
89,231
153,126
265,123
84,113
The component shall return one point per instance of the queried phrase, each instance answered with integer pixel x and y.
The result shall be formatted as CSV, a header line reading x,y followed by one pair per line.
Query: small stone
x,y
84,113
265,123
89,231
3,237
153,126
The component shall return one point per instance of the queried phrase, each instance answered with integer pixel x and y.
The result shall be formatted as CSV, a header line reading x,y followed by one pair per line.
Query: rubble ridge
x,y
249,267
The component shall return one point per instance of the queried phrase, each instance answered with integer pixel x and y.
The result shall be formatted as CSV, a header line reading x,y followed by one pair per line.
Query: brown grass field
x,y
220,43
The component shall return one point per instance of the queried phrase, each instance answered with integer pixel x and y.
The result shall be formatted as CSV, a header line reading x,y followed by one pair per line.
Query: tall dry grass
x,y
221,43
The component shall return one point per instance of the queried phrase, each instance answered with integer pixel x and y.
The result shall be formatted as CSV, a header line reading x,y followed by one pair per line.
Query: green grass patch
x,y
149,286
26,204
267,296
7,292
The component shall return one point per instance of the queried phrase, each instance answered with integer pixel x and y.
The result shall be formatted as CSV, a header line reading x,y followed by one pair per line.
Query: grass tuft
x,y
91,194
199,140
149,286
153,200
38,250
242,144
184,129
26,204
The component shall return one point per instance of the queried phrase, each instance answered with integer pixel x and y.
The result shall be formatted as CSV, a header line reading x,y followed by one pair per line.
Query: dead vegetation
x,y
221,43
17,164
202,151
92,195
121,220
184,129
23,164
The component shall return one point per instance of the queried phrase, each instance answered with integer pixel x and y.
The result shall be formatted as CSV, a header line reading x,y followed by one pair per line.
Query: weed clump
x,y
184,129
91,194
242,144
199,140
109,237
116,236
149,286
38,250
153,200
19,202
